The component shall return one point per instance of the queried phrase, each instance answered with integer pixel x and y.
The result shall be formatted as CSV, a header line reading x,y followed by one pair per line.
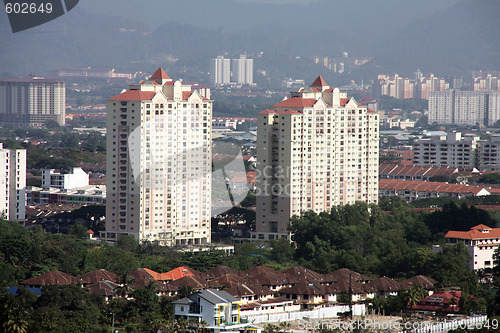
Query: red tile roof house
x,y
385,286
360,291
412,190
98,275
50,278
250,293
444,302
308,295
298,274
267,277
426,282
104,288
345,274
481,241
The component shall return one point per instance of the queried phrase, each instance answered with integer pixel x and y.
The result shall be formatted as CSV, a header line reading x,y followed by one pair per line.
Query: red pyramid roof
x,y
160,74
319,82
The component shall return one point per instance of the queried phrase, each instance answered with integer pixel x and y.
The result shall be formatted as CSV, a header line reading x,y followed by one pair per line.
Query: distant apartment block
x,y
487,83
231,71
89,72
457,150
399,87
452,150
342,64
158,163
242,70
488,153
315,150
464,107
12,183
32,101
220,71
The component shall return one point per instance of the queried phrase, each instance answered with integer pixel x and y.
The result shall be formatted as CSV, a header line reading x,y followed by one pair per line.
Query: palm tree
x,y
15,325
285,325
414,295
185,291
270,328
203,325
125,282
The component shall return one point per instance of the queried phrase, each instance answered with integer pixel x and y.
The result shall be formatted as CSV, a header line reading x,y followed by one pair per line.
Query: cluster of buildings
x,y
318,146
32,101
227,300
231,123
487,82
66,187
342,64
400,87
231,71
89,72
458,107
457,150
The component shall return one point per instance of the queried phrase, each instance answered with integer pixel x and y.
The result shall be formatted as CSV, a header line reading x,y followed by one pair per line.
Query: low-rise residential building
x,y
412,190
308,295
415,172
89,194
220,310
453,150
443,302
481,241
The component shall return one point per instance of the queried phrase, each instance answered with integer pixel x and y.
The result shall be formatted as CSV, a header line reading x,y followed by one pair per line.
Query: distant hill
x,y
463,37
402,35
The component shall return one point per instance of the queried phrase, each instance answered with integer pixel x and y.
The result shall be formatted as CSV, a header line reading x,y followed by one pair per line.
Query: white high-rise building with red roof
x,y
315,150
158,163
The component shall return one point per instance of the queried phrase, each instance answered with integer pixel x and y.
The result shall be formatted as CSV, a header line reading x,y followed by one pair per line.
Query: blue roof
x,y
14,290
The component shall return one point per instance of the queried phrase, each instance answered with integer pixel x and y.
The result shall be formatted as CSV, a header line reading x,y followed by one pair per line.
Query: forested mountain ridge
x,y
401,35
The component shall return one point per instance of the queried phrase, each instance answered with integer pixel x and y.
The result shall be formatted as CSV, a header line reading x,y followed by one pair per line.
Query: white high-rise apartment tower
x,y
13,183
220,71
242,70
464,107
315,150
158,163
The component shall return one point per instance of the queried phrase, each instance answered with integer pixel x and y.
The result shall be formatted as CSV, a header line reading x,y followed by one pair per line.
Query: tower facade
x,y
220,71
159,163
243,70
13,183
315,150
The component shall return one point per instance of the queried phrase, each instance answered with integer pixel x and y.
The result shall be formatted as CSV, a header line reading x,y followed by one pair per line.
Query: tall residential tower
x,y
158,163
12,183
315,150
